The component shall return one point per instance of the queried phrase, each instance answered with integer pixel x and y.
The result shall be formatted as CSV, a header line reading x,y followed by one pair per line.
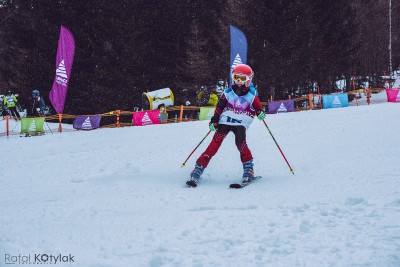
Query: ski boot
x,y
195,176
248,172
196,173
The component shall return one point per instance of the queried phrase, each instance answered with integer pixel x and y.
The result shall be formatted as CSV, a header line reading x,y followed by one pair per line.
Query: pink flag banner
x,y
64,60
393,95
144,118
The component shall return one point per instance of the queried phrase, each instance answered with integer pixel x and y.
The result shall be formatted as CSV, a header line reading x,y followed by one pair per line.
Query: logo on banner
x,y
336,103
398,96
238,104
146,119
87,124
281,108
32,128
61,74
236,61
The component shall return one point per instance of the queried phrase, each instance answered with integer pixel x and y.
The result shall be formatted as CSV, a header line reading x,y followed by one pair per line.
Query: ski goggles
x,y
239,77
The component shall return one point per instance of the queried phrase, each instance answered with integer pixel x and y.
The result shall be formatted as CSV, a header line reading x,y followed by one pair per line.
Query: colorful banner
x,y
238,48
32,125
206,113
64,60
281,107
335,101
144,118
393,95
87,122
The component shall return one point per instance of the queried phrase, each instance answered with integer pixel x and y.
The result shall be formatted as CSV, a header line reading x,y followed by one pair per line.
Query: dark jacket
x,y
36,106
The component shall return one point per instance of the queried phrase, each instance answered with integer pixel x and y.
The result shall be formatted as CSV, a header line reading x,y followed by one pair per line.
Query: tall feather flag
x,y
238,48
64,60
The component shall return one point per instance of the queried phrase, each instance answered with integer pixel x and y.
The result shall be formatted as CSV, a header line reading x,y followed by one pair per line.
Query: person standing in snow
x,y
368,93
234,112
9,102
35,104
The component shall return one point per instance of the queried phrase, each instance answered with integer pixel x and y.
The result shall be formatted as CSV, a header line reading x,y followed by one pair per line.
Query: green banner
x,y
32,125
206,113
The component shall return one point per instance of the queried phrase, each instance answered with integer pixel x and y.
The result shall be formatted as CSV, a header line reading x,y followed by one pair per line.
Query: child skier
x,y
234,112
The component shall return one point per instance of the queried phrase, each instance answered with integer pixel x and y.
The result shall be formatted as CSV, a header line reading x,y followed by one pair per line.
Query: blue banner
x,y
238,48
335,101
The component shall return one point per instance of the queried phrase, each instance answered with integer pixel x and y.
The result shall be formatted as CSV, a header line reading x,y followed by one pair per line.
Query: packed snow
x,y
116,197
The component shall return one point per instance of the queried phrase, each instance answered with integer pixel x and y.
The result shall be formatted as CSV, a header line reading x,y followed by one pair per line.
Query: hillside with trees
x,y
125,48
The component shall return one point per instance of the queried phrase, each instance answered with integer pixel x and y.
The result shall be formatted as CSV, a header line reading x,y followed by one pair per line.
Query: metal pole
x,y
280,150
390,39
183,164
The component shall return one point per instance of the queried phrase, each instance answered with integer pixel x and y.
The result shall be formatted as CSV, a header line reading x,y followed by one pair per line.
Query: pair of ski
x,y
234,185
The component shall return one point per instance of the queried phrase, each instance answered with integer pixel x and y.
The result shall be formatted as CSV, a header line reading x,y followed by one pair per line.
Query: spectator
x,y
9,102
36,105
4,111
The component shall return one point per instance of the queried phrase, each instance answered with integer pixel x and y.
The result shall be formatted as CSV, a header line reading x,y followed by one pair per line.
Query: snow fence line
x,y
182,113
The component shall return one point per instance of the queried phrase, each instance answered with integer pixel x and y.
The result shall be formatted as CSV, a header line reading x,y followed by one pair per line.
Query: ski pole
x,y
291,170
183,164
15,126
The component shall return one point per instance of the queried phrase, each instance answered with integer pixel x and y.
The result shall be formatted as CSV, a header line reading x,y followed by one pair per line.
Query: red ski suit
x,y
223,130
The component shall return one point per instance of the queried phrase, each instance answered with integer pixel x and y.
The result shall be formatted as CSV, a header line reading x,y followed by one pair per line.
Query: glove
x,y
214,122
261,116
213,126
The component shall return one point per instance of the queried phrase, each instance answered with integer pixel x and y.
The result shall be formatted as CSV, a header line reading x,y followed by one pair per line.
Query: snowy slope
x,y
115,197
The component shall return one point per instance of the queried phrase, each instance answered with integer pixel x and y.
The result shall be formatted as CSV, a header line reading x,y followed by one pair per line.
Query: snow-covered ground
x,y
115,197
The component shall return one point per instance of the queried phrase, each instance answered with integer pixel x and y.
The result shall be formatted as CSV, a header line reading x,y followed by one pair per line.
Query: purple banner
x,y
279,107
87,122
64,60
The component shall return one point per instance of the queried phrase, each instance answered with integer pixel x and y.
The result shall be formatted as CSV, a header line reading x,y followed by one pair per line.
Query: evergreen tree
x,y
127,47
206,57
24,52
